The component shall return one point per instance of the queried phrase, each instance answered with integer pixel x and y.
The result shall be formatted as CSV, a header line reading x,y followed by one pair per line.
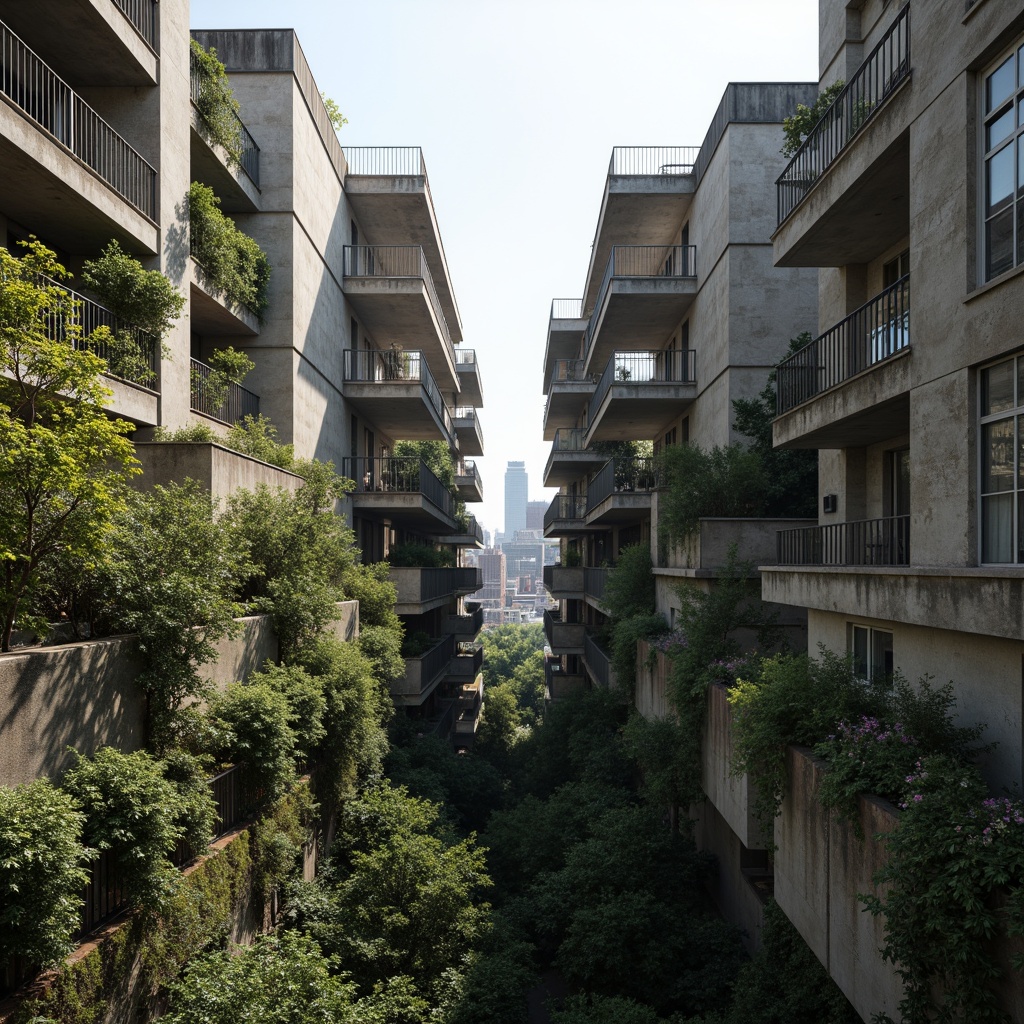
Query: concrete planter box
x,y
707,550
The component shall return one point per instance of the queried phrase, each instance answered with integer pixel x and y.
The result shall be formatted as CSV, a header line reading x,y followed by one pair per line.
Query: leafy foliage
x,y
508,647
257,436
798,126
338,120
216,102
422,555
227,366
41,872
630,586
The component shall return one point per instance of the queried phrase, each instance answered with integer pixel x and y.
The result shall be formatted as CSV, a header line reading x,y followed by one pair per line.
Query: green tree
x,y
506,648
797,127
338,120
64,464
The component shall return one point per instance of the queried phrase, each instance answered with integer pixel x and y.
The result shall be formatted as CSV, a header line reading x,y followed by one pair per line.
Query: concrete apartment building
x,y
359,346
682,312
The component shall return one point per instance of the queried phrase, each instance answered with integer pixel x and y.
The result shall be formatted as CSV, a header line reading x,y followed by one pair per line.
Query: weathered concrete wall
x,y
651,698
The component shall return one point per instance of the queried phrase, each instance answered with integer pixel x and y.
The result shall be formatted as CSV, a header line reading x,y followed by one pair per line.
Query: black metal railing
x,y
876,332
467,469
675,366
474,529
595,578
648,261
636,160
397,474
228,403
468,660
468,579
52,104
142,14
465,356
872,84
466,419
566,507
864,542
131,355
436,661
242,145
597,661
567,371
384,161
622,476
395,366
427,583
566,309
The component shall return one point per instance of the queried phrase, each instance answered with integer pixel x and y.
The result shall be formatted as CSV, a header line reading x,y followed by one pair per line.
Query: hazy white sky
x,y
517,105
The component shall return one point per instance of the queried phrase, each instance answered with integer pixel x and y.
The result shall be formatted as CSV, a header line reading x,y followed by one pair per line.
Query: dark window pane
x,y
999,181
997,528
859,643
997,388
999,85
998,129
999,244
997,444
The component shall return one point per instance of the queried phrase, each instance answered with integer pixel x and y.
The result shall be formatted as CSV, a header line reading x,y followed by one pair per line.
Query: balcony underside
x,y
864,410
637,210
391,207
471,390
565,403
96,45
471,441
412,511
564,467
618,508
564,339
569,528
398,311
638,313
564,582
860,206
211,164
470,488
639,411
133,402
55,196
212,313
982,601
398,408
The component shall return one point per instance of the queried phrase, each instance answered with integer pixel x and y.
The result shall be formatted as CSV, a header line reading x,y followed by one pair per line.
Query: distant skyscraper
x,y
535,514
516,490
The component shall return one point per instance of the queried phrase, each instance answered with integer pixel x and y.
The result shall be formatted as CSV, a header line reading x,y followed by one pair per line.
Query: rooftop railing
x,y
863,542
622,476
243,146
566,309
876,332
237,403
397,161
142,14
872,84
396,366
637,160
673,366
652,261
397,474
566,507
52,104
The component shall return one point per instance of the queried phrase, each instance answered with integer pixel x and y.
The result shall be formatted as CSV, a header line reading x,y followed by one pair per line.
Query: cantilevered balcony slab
x,y
563,637
467,427
566,328
471,388
647,193
99,42
390,194
422,589
395,391
639,392
468,481
621,492
400,490
213,313
570,458
391,288
564,581
423,674
211,164
469,535
465,628
568,391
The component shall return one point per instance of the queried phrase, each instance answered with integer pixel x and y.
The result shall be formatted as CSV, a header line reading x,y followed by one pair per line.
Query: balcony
x,y
621,492
213,312
864,542
566,514
570,458
421,589
706,552
564,581
66,172
467,663
422,674
598,664
568,390
469,705
468,481
465,627
471,388
867,410
395,391
566,327
647,193
388,188
563,637
595,579
236,404
645,291
640,392
392,290
467,427
841,203
233,172
470,537
401,490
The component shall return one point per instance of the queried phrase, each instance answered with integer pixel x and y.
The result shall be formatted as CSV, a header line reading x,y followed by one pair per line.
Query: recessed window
x,y
872,653
1001,483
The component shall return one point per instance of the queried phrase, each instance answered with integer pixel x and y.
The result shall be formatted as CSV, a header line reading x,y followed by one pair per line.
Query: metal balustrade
x,y
568,371
53,105
597,661
570,439
243,147
872,84
237,403
646,160
468,468
674,366
566,309
435,661
397,474
622,476
566,507
394,366
863,542
595,579
397,161
142,14
651,261
876,332
464,356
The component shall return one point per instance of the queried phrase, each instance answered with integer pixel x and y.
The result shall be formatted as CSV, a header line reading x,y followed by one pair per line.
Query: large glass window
x,y
1001,445
1002,184
872,653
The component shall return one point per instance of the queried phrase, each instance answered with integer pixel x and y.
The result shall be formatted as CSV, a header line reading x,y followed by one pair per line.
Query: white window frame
x,y
874,634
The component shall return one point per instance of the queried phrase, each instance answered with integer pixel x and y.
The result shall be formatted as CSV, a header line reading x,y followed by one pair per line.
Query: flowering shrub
x,y
669,643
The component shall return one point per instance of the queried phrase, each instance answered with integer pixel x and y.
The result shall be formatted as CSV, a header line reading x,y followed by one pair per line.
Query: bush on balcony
x,y
216,102
227,366
798,126
253,436
233,261
424,556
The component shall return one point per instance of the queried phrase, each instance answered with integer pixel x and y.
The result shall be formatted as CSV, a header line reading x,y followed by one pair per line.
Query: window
x,y
1002,177
872,653
1001,485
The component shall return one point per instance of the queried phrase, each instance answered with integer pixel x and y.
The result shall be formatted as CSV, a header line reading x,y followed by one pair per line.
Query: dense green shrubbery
x,y
421,556
216,102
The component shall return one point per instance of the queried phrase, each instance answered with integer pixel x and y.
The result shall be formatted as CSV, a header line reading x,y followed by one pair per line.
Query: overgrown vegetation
x,y
798,126
215,101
